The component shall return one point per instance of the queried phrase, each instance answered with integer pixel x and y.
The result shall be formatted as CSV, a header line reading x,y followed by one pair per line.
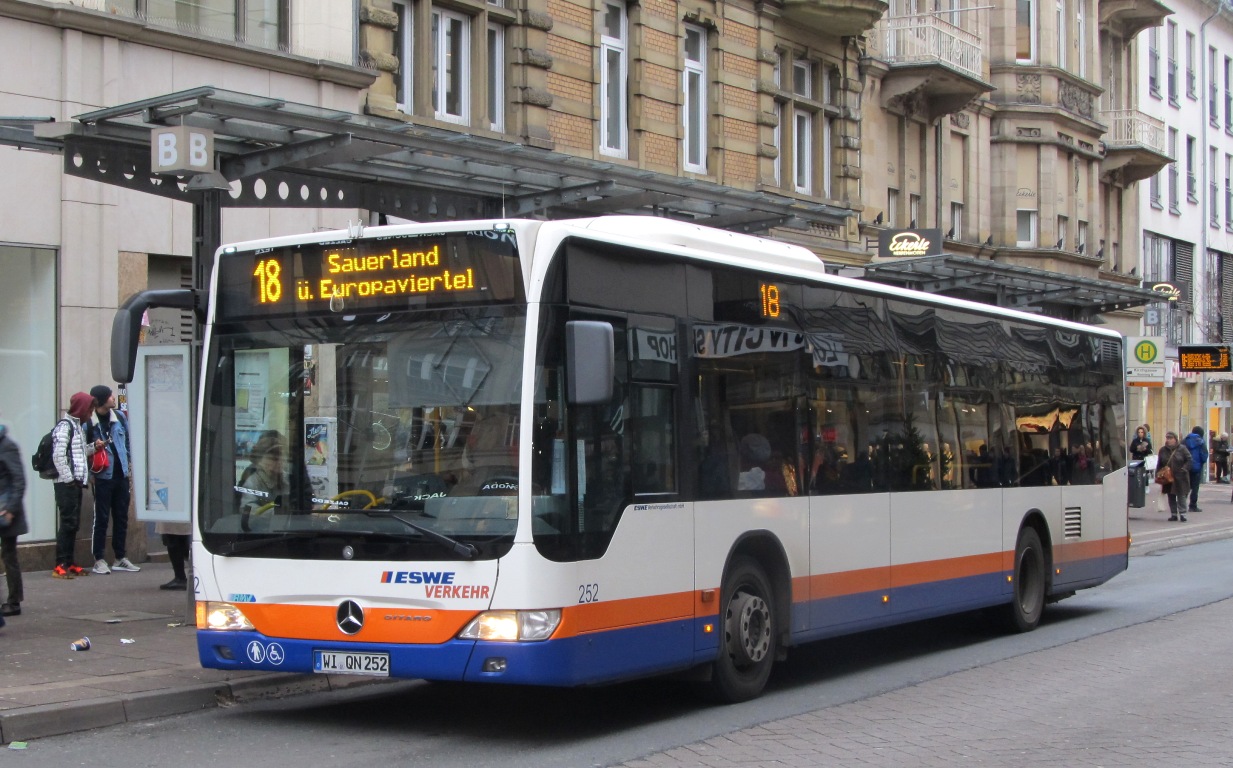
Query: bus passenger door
x,y
633,531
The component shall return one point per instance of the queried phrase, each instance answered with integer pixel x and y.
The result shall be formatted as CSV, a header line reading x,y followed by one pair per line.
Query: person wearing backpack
x,y
111,476
12,520
69,453
1197,446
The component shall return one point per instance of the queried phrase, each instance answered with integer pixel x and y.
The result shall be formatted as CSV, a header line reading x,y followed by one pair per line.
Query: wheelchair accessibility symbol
x,y
259,652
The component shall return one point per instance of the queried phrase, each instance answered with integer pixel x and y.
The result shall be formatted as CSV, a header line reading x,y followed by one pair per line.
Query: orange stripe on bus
x,y
381,625
400,625
1088,550
848,583
629,612
911,574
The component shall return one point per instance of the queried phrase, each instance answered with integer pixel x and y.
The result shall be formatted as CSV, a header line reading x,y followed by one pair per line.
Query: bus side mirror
x,y
126,325
589,352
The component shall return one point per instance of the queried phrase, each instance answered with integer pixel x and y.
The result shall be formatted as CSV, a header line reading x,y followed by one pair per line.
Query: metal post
x,y
207,236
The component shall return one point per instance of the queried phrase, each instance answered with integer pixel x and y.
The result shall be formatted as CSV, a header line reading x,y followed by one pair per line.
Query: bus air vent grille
x,y
1073,520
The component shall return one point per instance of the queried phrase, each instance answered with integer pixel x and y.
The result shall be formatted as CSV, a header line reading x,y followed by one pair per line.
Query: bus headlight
x,y
512,626
221,616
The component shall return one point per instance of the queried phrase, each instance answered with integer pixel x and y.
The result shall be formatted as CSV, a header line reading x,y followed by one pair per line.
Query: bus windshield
x,y
383,437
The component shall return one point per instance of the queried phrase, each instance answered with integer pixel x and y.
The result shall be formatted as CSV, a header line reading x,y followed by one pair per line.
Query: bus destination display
x,y
388,273
393,273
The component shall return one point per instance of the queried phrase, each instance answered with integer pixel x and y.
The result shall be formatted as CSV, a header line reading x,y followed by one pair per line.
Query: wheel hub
x,y
749,628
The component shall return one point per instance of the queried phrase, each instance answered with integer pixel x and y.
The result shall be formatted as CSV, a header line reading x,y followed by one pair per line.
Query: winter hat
x,y
101,393
80,405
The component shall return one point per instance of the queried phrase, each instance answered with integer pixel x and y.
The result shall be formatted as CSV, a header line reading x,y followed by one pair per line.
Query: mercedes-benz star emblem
x,y
350,617
348,553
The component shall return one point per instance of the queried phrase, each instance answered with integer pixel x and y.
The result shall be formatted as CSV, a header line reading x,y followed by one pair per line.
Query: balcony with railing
x,y
1127,18
835,17
1134,144
928,55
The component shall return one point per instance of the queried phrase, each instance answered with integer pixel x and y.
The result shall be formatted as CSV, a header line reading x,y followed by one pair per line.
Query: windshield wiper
x,y
236,547
459,548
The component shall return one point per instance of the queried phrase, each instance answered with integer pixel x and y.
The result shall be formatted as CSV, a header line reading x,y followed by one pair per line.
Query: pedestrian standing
x,y
69,453
1175,457
1220,456
1197,445
12,520
1141,445
177,539
112,490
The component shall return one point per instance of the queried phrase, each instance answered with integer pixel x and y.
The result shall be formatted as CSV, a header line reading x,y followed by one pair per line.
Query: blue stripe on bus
x,y
585,659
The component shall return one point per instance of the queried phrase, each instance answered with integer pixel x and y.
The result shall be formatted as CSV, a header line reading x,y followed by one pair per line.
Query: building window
x,y
808,133
1081,238
1025,231
1025,31
778,131
496,77
452,64
1153,61
404,51
262,23
451,77
1213,187
892,207
1063,229
914,211
1153,191
1192,175
1081,35
614,92
956,222
1228,94
28,325
1191,84
1228,192
1063,41
1175,204
802,128
695,98
1213,88
1172,63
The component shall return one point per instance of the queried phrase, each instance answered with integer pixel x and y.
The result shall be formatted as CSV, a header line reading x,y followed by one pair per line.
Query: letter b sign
x,y
181,149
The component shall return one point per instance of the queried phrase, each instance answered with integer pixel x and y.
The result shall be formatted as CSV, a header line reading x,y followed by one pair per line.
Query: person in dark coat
x,y
12,520
1140,446
1176,457
1197,446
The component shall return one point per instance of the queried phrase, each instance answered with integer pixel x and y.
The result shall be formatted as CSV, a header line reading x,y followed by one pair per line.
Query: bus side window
x,y
653,426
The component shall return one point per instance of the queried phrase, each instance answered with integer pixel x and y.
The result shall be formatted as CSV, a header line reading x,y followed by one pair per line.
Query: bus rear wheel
x,y
1025,610
749,633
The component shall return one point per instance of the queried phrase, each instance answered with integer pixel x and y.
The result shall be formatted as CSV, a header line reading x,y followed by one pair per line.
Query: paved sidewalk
x,y
48,689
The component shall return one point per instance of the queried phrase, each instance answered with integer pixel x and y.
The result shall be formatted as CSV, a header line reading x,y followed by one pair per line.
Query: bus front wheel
x,y
749,626
1024,611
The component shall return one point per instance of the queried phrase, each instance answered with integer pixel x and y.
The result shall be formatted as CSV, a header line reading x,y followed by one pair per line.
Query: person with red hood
x,y
71,453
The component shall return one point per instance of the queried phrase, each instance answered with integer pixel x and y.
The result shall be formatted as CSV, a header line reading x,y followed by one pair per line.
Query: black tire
x,y
748,633
1030,579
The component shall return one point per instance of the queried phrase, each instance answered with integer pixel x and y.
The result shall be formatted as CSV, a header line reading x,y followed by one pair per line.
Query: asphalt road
x,y
452,725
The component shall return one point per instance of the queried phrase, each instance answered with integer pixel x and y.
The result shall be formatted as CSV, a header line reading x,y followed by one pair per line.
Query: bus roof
x,y
687,239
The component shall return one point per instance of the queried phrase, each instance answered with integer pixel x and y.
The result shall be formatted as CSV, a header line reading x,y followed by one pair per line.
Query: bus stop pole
x,y
207,236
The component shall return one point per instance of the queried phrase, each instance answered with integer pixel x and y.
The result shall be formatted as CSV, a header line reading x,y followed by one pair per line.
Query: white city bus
x,y
574,452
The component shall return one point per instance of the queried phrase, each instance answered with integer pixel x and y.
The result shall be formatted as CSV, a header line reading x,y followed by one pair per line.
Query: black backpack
x,y
42,462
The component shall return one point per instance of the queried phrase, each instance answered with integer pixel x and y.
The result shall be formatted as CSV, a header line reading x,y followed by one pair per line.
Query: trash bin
x,y
1137,494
